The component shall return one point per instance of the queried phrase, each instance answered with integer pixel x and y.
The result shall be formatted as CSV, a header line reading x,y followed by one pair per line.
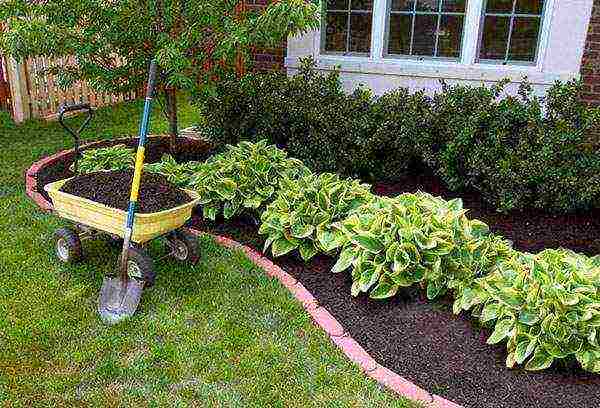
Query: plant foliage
x,y
246,176
545,306
392,243
118,157
180,174
302,215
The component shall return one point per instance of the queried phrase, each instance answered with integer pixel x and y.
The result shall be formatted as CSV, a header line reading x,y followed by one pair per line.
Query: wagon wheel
x,y
184,246
68,245
140,266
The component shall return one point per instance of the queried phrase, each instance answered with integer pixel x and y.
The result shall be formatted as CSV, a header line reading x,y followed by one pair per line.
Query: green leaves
x,y
118,157
544,305
306,208
245,177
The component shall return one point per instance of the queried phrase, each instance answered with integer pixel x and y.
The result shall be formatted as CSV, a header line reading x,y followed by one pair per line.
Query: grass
x,y
218,334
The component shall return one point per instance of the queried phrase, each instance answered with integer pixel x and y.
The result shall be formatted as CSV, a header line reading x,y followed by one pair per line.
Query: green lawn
x,y
218,334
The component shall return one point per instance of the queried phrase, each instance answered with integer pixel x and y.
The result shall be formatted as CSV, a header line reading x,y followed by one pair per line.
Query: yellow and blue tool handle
x,y
64,108
139,158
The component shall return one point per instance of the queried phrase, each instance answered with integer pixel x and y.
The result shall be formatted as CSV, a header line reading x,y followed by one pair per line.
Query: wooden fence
x,y
34,93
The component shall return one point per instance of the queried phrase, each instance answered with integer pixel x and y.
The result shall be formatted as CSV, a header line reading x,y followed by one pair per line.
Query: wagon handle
x,y
64,108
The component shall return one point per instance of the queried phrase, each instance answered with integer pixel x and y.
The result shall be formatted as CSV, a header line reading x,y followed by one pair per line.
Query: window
x,y
347,26
426,28
511,30
465,32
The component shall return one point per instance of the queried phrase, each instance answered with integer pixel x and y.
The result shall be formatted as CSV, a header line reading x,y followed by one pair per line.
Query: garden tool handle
x,y
64,108
137,173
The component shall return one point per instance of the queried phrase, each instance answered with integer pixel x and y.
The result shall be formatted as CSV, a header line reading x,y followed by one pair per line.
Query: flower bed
x,y
431,263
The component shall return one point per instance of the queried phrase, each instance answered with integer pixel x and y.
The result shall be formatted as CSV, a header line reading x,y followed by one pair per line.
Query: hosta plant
x,y
392,243
118,157
179,174
304,210
245,176
545,306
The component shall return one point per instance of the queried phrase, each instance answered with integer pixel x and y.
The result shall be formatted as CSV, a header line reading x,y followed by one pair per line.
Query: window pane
x,y
403,5
523,42
399,35
336,31
450,36
362,4
428,5
337,4
495,37
424,37
499,6
360,32
454,6
529,6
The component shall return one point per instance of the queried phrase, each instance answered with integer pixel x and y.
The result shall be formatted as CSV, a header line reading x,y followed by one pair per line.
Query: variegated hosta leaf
x,y
310,209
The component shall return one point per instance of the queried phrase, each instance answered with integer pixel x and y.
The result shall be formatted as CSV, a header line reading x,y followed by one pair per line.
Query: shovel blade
x,y
118,302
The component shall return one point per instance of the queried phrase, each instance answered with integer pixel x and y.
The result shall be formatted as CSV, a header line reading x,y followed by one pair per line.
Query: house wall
x,y
562,46
590,67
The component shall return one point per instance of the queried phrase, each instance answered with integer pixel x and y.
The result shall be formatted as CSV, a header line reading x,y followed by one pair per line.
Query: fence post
x,y
17,78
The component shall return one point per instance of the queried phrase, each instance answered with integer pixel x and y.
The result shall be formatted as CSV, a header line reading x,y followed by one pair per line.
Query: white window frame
x,y
466,67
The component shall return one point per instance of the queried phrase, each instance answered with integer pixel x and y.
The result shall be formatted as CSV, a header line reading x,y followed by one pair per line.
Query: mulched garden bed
x,y
424,341
187,150
112,188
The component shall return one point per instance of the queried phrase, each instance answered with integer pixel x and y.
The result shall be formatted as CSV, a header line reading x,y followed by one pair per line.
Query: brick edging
x,y
320,315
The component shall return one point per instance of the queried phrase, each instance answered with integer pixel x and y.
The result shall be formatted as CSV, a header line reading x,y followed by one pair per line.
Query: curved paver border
x,y
320,315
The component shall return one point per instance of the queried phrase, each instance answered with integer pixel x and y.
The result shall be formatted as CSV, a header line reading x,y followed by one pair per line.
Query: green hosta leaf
x,y
501,331
345,259
369,277
282,246
329,239
384,290
307,250
368,242
302,231
229,209
540,360
424,242
355,289
510,360
528,317
226,189
490,312
524,349
210,212
252,202
433,290
479,228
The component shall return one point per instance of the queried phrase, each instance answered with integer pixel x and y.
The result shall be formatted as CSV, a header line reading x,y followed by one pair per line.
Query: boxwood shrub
x,y
518,151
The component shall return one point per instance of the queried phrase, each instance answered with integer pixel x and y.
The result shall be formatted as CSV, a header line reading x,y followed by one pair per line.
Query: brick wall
x,y
590,64
267,59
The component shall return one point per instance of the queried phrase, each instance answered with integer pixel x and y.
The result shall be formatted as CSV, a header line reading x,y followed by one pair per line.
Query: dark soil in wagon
x,y
424,341
112,188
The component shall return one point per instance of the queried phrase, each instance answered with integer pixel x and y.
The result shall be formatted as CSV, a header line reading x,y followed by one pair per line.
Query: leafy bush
x,y
415,238
118,157
179,174
302,214
546,307
244,177
514,154
319,123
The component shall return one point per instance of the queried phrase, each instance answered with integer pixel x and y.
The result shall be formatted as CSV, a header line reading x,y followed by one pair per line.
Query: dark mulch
x,y
112,188
423,341
156,147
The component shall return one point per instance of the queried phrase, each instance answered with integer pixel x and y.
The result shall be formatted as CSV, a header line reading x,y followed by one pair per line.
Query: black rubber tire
x,y
68,245
183,238
143,263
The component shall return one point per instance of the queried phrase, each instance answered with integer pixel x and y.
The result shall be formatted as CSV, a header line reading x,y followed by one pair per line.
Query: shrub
x,y
391,243
512,153
118,157
244,177
302,214
319,123
546,307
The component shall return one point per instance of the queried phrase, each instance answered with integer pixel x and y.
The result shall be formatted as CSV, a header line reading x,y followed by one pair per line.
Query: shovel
x,y
120,296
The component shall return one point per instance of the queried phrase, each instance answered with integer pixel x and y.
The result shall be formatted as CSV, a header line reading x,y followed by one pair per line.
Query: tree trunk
x,y
171,97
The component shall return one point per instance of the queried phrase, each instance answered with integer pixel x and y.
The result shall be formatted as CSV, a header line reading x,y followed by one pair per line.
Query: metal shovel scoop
x,y
120,296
